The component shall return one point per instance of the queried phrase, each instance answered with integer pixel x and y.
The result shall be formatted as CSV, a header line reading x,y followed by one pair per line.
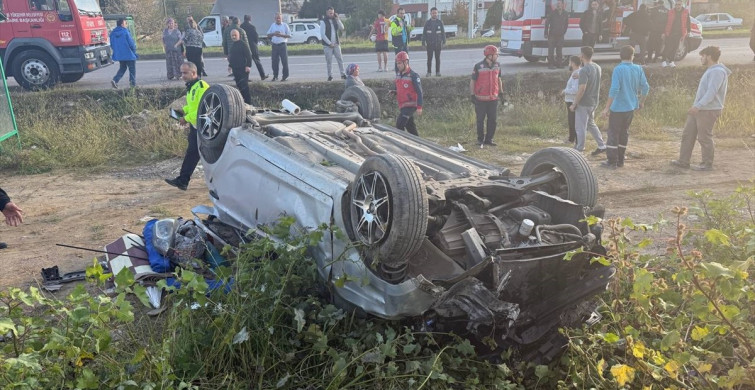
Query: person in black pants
x,y
485,88
253,39
279,33
555,28
433,38
240,64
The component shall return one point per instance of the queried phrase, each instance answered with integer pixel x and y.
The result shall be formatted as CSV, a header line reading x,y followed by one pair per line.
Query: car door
x,y
724,21
298,33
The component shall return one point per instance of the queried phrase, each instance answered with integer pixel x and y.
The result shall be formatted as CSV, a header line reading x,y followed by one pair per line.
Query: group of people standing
x,y
626,95
656,30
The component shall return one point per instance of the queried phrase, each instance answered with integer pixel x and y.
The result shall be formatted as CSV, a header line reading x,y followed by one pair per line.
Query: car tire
x,y
222,108
681,51
35,70
366,100
388,209
312,41
578,183
532,58
71,77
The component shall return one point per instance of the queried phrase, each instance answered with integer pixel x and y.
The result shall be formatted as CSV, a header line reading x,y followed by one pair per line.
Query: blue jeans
x,y
131,65
280,52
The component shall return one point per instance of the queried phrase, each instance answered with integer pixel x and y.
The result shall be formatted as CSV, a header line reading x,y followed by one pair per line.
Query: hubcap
x,y
35,71
211,121
371,203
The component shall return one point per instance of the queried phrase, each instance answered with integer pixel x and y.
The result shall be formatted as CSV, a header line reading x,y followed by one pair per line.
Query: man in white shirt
x,y
279,34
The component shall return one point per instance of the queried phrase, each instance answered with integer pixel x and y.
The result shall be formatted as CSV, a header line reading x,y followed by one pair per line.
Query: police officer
x,y
408,93
485,87
195,88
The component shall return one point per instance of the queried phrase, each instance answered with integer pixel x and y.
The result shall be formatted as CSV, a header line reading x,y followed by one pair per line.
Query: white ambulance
x,y
523,27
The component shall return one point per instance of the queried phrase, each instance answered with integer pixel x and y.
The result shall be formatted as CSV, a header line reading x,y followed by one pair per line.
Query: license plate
x,y
504,43
103,53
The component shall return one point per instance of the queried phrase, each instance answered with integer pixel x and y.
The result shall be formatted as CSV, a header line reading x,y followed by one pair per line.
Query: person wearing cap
x,y
352,76
12,213
408,94
485,87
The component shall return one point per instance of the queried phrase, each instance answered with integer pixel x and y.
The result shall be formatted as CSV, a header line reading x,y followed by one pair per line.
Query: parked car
x,y
430,236
719,21
416,33
304,32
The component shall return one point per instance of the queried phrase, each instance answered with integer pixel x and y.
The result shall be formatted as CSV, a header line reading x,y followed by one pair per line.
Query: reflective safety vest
x,y
486,81
408,90
194,94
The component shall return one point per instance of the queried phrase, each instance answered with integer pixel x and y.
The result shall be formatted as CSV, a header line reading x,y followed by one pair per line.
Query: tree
x,y
459,14
493,17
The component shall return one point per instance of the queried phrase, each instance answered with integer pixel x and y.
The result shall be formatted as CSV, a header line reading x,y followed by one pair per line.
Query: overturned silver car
x,y
449,242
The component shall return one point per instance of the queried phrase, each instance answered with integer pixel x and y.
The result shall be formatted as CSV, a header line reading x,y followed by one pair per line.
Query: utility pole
x,y
470,21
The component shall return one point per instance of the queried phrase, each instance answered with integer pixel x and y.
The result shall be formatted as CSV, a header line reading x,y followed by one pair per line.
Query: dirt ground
x,y
91,210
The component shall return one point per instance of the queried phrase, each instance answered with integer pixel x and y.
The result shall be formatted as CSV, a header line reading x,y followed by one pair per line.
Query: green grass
x,y
88,131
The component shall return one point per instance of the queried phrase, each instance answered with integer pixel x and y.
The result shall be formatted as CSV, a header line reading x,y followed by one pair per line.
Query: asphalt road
x,y
456,62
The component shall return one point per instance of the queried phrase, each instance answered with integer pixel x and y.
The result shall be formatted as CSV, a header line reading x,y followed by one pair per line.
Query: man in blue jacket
x,y
628,81
124,51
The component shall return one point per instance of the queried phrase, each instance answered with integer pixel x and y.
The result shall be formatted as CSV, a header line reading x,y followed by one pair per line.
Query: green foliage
x,y
684,320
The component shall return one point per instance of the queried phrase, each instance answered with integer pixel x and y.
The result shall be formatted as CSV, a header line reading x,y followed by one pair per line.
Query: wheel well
x,y
14,50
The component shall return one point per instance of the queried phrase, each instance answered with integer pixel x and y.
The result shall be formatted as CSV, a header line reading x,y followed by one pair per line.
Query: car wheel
x,y
681,52
365,99
221,109
532,58
729,28
312,41
576,181
389,209
34,70
71,77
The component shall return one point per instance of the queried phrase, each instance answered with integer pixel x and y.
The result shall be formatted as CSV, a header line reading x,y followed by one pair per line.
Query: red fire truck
x,y
44,42
523,27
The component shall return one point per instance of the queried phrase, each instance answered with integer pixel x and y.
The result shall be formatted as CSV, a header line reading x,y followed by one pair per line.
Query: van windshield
x,y
88,7
513,9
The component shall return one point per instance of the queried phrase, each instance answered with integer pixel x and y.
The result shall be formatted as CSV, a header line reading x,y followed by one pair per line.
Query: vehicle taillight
x,y
526,33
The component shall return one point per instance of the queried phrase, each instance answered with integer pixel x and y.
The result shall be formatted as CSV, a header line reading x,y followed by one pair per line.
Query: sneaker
x,y
114,84
330,78
437,74
672,64
679,164
482,146
380,70
702,167
275,78
177,183
598,151
265,77
284,79
490,143
343,76
3,245
608,165
428,74
664,64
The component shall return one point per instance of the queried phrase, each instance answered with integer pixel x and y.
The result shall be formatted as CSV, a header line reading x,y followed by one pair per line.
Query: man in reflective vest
x,y
408,93
485,87
195,88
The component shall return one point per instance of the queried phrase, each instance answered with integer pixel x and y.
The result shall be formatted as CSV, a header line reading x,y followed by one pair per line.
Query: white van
x,y
523,28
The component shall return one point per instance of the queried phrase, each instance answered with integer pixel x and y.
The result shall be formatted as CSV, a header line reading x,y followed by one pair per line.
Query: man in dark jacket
x,y
124,51
11,212
638,24
555,28
658,16
240,64
433,39
253,39
589,23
